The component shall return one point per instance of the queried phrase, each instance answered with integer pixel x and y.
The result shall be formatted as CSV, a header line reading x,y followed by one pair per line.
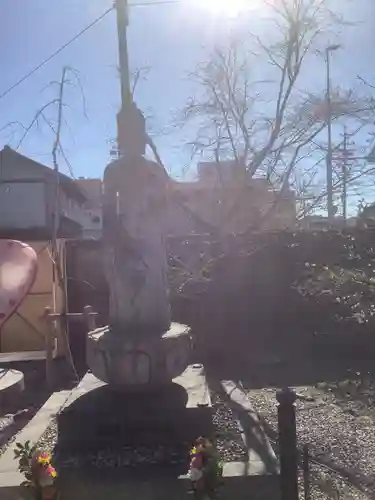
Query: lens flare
x,y
230,8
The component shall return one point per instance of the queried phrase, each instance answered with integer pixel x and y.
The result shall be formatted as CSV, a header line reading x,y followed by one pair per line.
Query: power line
x,y
78,35
45,61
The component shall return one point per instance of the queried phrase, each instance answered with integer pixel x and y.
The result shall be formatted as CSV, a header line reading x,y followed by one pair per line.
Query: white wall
x,y
22,205
94,220
70,208
82,216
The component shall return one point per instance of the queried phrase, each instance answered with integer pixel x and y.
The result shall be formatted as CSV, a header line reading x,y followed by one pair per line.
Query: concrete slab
x,y
9,476
262,458
11,380
16,357
88,383
193,380
11,385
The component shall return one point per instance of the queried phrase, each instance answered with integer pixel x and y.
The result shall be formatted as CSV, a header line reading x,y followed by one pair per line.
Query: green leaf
x,y
27,484
24,462
20,446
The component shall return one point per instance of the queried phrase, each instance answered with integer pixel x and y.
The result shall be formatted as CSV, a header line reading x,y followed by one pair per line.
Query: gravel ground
x,y
15,417
338,423
228,437
228,440
327,485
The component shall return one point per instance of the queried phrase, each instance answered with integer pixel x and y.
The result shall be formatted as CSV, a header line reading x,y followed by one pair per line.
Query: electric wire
x,y
78,35
54,54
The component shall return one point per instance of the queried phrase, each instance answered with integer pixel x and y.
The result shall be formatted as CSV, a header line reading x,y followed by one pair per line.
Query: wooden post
x,y
49,344
62,320
90,318
286,413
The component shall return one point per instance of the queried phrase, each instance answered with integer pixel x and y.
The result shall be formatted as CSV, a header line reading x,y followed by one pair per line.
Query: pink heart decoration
x,y
18,268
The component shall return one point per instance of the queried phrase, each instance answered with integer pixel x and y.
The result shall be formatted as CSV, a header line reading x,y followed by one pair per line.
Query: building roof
x,y
92,189
67,184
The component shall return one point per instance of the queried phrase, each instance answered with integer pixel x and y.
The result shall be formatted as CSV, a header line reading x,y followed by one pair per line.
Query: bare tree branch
x,y
231,112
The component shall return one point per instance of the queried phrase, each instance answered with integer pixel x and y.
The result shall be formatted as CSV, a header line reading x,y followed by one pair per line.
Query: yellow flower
x,y
44,458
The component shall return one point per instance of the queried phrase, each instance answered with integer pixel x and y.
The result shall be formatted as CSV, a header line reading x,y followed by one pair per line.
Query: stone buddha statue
x,y
139,346
134,214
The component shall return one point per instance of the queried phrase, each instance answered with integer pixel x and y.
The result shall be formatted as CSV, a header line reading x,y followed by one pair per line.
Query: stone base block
x,y
134,361
97,418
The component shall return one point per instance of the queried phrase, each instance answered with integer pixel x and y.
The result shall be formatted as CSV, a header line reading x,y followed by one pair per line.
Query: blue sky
x,y
171,39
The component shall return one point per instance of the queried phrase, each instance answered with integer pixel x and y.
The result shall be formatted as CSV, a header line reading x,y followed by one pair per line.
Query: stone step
x,y
116,487
101,486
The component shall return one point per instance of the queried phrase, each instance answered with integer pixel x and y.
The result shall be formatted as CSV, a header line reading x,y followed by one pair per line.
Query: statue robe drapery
x,y
134,215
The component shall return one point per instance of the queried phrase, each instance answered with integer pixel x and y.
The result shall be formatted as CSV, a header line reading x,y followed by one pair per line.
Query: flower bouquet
x,y
205,470
40,475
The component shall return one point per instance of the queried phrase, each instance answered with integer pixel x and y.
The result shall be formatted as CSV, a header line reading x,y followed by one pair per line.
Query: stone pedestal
x,y
139,360
96,417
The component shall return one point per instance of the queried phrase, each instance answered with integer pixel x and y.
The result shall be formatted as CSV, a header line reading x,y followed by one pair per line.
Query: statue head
x,y
131,126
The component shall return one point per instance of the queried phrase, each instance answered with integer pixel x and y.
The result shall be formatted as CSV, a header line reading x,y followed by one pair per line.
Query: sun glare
x,y
231,8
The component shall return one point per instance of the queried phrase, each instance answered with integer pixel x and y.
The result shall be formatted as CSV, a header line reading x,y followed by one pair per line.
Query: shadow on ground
x,y
20,410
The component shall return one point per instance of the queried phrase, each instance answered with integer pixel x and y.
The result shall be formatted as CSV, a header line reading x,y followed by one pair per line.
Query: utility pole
x,y
122,26
131,127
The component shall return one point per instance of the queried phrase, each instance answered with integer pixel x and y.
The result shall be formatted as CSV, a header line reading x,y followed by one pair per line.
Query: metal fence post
x,y
286,413
89,317
306,472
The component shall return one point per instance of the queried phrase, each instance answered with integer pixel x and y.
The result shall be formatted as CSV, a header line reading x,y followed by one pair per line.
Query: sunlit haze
x,y
231,8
